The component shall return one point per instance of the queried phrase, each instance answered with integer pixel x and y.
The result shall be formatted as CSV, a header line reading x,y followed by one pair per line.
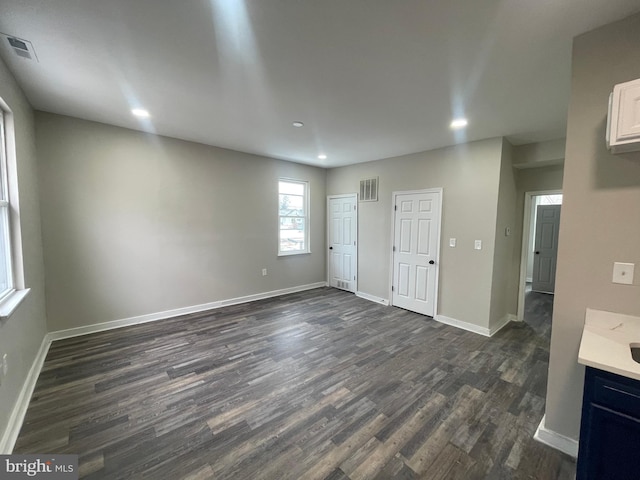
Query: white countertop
x,y
605,342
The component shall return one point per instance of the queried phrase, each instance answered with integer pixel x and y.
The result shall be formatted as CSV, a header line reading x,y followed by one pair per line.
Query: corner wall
x,y
136,224
506,260
469,175
600,212
22,334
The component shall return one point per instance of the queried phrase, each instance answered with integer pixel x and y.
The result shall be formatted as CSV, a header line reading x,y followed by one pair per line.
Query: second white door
x,y
415,250
343,228
546,248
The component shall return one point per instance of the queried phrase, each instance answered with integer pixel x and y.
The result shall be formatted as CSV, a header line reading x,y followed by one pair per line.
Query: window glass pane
x,y
550,199
3,151
5,260
291,205
291,188
292,237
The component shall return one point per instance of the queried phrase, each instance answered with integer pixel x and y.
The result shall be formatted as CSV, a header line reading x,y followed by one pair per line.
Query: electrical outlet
x,y
478,245
452,242
623,273
264,272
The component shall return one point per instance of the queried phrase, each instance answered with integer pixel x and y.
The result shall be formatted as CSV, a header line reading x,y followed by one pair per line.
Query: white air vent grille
x,y
369,190
20,47
344,285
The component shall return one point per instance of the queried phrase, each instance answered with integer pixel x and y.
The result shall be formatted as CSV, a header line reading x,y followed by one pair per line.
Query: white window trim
x,y
307,218
14,297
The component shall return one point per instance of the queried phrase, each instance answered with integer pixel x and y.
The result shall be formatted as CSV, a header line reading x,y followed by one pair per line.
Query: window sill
x,y
289,254
11,302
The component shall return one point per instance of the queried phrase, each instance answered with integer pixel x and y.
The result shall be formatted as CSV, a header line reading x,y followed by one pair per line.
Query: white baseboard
x,y
372,298
152,317
555,440
470,327
10,435
509,317
529,279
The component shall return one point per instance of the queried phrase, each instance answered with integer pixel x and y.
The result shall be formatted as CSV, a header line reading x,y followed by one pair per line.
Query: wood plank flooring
x,y
314,385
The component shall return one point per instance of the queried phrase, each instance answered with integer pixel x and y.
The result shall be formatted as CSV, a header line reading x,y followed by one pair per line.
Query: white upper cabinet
x,y
623,126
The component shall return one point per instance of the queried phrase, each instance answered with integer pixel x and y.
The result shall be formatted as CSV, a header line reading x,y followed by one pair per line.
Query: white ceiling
x,y
369,78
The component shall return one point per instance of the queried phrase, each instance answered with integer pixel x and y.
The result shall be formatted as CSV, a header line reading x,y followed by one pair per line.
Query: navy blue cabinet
x,y
610,428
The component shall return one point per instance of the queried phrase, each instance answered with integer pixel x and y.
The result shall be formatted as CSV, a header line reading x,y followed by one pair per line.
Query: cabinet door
x,y
611,449
629,116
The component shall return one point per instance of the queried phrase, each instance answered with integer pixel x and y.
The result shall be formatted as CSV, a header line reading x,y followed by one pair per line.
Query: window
x,y
6,276
293,217
12,289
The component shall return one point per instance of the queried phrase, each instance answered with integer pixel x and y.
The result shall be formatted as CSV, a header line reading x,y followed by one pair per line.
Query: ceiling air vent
x,y
21,47
369,190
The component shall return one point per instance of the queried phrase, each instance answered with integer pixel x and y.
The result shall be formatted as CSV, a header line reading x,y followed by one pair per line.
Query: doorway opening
x,y
538,254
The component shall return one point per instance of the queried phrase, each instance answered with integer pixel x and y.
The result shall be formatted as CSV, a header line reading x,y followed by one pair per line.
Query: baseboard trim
x,y
10,435
152,317
373,298
555,440
509,317
470,327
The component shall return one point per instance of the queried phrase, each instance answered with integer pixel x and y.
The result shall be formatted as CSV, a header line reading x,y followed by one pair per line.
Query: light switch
x,y
623,273
478,245
452,242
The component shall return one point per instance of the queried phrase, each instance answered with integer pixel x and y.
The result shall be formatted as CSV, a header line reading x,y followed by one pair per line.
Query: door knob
x,y
431,262
537,253
330,248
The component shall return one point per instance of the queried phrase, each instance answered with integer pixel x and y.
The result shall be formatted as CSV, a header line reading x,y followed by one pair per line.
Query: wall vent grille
x,y
369,190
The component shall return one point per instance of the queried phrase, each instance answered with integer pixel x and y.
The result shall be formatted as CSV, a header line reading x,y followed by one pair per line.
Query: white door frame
x,y
524,251
329,198
393,236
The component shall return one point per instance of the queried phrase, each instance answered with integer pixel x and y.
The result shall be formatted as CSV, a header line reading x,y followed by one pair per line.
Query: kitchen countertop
x,y
605,342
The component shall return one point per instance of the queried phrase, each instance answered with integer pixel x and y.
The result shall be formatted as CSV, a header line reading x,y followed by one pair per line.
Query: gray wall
x,y
535,180
137,224
22,334
538,179
469,175
504,284
600,213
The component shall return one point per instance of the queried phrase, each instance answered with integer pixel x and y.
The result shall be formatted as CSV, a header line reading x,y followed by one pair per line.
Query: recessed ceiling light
x,y
298,124
322,156
459,123
139,112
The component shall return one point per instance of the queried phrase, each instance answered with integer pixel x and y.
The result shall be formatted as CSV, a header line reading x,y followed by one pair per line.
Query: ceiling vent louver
x,y
21,47
369,190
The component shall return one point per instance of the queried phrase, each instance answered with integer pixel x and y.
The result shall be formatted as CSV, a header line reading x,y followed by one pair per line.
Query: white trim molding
x,y
10,435
503,322
555,440
373,298
471,327
152,317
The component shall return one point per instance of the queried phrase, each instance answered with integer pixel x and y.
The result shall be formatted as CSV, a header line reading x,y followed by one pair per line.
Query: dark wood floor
x,y
314,385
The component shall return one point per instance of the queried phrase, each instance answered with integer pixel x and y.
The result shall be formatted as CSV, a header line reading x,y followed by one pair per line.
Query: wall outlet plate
x,y
452,242
623,273
478,245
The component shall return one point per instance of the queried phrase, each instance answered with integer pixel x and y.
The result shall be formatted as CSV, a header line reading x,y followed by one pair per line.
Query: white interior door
x,y
415,250
342,232
546,248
